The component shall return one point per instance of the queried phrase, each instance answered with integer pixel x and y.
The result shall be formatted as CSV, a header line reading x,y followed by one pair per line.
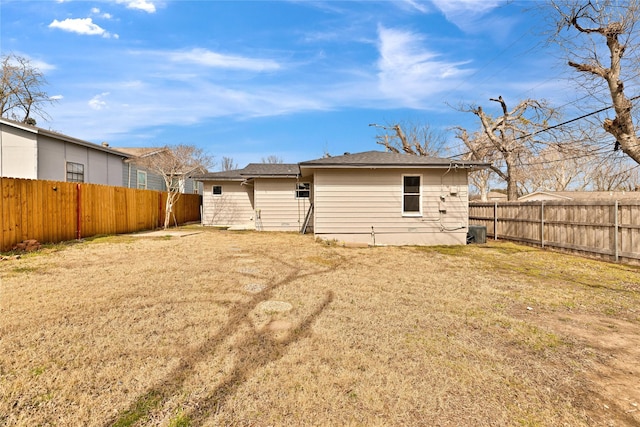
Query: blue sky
x,y
295,79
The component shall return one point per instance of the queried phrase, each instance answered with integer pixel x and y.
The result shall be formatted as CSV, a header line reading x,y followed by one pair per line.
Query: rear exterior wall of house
x,y
366,206
279,207
232,207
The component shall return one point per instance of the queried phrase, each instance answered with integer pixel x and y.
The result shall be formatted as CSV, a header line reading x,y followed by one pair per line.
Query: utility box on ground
x,y
477,234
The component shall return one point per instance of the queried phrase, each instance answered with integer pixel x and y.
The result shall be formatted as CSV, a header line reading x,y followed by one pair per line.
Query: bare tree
x,y
21,90
509,138
555,168
272,159
478,149
228,164
597,30
411,138
175,164
614,174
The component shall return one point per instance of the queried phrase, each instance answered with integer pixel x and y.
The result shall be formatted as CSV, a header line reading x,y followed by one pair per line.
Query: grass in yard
x,y
226,328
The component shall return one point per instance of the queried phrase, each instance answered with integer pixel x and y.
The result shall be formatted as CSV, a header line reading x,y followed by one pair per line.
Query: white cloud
x,y
96,11
408,70
211,59
476,7
465,13
56,97
417,5
144,5
83,26
97,102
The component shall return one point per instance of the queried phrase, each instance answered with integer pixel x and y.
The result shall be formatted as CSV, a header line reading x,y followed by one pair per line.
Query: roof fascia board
x,y
19,126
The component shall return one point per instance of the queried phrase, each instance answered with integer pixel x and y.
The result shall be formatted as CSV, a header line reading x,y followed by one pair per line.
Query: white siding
x,y
278,207
359,205
18,153
234,208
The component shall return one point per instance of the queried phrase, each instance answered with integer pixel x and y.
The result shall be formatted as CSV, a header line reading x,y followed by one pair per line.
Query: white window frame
x,y
138,174
213,190
303,187
74,172
419,194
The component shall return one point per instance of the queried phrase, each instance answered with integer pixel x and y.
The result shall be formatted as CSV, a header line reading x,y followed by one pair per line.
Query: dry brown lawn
x,y
271,329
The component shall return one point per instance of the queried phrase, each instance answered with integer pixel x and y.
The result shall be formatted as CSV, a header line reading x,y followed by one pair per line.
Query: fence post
x,y
542,224
615,230
495,220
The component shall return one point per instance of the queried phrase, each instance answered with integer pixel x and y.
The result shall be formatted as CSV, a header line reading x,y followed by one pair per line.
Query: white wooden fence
x,y
606,229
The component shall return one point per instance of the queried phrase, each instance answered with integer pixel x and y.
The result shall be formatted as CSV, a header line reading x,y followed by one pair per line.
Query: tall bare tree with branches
x,y
21,90
508,138
600,39
410,138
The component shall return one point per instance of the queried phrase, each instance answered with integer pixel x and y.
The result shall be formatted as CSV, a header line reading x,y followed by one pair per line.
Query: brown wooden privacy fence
x,y
51,212
607,229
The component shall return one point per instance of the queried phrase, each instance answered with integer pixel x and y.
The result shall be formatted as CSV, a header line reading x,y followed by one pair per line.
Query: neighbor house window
x,y
303,190
217,190
75,172
411,195
142,180
177,185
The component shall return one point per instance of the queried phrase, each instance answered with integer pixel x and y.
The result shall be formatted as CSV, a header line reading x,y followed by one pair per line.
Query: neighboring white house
x,y
377,198
35,153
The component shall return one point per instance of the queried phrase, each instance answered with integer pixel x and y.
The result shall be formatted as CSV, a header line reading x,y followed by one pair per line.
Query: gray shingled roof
x,y
232,175
262,170
254,170
387,159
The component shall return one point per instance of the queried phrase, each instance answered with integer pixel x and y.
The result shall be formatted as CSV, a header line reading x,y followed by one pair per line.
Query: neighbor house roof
x,y
580,195
61,137
254,170
380,159
139,151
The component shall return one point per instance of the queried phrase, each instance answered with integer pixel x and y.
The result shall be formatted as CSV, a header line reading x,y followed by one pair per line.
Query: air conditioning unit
x,y
477,234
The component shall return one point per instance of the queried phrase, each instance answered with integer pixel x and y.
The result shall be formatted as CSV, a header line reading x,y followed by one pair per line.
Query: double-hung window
x,y
142,180
303,190
75,172
411,195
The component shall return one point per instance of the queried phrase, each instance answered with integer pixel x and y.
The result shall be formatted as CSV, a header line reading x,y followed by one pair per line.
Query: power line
x,y
572,120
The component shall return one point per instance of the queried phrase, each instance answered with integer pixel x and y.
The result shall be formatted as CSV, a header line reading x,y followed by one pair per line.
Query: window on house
x,y
177,185
217,190
303,190
142,180
75,172
411,195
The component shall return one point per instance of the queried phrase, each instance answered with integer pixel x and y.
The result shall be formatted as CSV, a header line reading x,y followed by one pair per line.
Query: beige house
x,y
377,198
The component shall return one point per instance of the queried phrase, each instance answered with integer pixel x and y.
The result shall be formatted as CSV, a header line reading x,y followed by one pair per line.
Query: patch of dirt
x,y
615,374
